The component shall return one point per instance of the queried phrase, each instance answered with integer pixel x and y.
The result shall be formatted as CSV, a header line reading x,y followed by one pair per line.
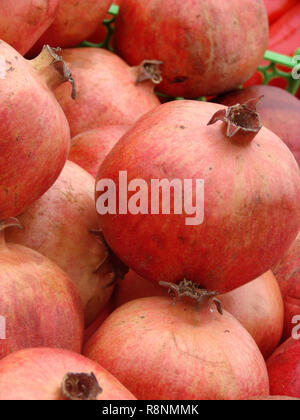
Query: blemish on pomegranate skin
x,y
179,79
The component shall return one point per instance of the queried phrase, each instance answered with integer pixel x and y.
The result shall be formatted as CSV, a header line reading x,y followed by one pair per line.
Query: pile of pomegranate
x,y
149,240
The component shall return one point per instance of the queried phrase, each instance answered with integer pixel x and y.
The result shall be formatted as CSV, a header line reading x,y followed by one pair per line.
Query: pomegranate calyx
x,y
9,222
49,57
111,263
80,386
192,290
149,70
240,117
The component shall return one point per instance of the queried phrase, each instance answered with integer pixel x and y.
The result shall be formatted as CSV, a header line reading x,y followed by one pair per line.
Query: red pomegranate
x,y
160,351
207,47
33,128
251,196
39,305
74,22
108,91
59,225
279,112
23,22
287,272
88,149
56,374
276,8
284,367
257,305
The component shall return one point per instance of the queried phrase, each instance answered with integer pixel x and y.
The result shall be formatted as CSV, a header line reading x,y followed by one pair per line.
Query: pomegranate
x,y
284,367
23,22
34,132
160,351
279,112
108,91
39,305
59,225
88,149
203,50
251,190
257,305
74,22
56,374
287,272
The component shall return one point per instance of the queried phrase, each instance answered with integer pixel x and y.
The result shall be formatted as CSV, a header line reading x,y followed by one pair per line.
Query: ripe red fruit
x,y
276,8
34,132
284,367
59,226
74,22
251,198
38,374
257,305
160,351
108,92
274,398
278,111
207,47
287,272
23,22
88,149
38,302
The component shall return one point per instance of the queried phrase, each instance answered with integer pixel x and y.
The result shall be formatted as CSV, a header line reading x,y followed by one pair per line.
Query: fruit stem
x,y
149,70
194,291
5,223
80,386
244,118
53,68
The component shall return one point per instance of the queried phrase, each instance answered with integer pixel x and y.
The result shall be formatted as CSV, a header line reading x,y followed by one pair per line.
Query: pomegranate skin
x,y
161,352
40,372
278,110
23,22
247,226
257,305
207,47
283,368
287,272
88,149
58,226
38,302
107,91
74,22
34,148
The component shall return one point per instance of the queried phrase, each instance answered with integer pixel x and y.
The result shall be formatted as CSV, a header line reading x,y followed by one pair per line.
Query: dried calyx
x,y
110,264
192,290
48,60
149,70
80,386
240,117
